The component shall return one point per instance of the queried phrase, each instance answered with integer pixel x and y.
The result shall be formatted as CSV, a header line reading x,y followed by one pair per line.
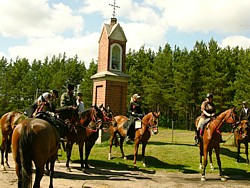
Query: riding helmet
x,y
210,95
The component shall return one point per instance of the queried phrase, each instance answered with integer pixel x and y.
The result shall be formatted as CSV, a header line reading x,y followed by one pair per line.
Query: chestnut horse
x,y
148,122
38,141
211,138
84,131
8,122
241,135
201,146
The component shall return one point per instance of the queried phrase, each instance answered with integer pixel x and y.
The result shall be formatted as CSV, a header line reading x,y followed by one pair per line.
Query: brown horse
x,y
8,123
211,138
84,131
201,146
38,141
142,134
241,135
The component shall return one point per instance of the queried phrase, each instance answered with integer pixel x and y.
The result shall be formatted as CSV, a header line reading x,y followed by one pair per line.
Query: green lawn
x,y
169,151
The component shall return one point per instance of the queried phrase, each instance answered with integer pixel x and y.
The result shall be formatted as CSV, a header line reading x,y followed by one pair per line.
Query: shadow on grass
x,y
233,154
237,174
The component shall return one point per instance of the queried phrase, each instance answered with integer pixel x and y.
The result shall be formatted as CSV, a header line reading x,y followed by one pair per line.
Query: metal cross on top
x,y
114,7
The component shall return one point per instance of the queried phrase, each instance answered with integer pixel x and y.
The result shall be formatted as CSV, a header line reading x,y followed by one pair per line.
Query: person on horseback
x,y
134,112
244,113
79,103
68,99
207,113
45,99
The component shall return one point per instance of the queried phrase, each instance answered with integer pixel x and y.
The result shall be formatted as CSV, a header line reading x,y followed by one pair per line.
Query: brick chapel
x,y
110,83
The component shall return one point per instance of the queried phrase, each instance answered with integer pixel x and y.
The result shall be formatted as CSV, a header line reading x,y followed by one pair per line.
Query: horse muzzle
x,y
155,131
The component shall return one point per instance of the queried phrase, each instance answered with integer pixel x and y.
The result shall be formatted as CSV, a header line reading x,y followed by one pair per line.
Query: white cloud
x,y
234,41
39,48
28,18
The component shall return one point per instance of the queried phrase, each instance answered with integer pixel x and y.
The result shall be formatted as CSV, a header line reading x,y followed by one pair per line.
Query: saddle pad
x,y
137,124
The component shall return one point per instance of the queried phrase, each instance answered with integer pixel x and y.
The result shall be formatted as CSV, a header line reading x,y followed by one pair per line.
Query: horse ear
x,y
159,113
101,106
234,108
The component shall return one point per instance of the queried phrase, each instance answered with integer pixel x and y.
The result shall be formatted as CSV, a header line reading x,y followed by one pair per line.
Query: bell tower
x,y
110,83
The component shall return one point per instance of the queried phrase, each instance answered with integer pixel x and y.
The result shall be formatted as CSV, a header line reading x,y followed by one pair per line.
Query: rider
x,y
244,113
68,104
79,103
134,112
207,113
45,98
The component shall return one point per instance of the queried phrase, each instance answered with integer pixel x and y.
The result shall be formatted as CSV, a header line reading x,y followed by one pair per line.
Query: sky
x,y
43,28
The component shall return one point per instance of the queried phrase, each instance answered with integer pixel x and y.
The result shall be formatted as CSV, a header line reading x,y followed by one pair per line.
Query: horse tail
x,y
25,145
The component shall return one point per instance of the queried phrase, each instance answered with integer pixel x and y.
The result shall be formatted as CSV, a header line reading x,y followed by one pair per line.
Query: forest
x,y
174,81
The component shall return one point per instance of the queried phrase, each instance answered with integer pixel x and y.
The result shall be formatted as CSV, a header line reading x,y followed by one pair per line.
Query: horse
x,y
211,138
8,122
142,134
83,131
34,140
241,135
201,146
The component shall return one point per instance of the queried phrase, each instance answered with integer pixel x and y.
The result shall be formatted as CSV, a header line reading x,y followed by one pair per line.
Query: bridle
x,y
152,124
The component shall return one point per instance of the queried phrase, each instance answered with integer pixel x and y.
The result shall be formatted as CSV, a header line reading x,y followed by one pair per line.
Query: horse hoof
x,y
223,179
69,169
144,165
203,178
200,167
3,168
135,167
125,158
7,164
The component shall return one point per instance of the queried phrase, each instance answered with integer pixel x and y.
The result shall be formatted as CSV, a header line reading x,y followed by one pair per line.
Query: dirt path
x,y
108,178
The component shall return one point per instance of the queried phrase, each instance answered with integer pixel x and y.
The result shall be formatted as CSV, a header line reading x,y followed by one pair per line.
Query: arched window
x,y
116,57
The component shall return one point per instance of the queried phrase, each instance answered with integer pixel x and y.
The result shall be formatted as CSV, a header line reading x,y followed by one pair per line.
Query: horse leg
x,y
238,151
80,148
136,151
246,151
52,166
211,160
121,147
201,154
144,144
217,152
3,146
39,175
69,149
205,152
88,146
111,144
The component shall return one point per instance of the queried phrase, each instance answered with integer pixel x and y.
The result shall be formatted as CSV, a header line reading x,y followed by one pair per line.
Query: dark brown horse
x,y
211,138
149,123
38,141
8,123
201,146
241,135
84,131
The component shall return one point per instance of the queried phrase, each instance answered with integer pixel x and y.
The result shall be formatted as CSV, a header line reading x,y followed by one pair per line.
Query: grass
x,y
168,151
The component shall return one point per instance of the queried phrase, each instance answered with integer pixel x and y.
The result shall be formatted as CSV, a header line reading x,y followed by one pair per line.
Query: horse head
x,y
242,129
151,120
108,118
230,116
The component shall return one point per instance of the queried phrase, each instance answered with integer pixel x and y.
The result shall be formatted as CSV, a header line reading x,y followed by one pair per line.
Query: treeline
x,y
174,81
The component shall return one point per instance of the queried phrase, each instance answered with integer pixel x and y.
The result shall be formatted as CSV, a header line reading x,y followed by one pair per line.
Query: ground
x,y
107,178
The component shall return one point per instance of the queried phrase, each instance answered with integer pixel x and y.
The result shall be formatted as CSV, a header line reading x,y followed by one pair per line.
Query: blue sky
x,y
40,28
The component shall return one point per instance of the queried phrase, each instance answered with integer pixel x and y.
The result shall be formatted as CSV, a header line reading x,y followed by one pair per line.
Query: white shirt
x,y
80,106
46,97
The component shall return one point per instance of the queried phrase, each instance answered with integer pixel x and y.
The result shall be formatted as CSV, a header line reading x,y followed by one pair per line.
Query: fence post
x,y
172,131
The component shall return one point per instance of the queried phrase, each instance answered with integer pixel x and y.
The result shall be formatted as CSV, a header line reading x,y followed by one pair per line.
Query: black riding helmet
x,y
210,95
